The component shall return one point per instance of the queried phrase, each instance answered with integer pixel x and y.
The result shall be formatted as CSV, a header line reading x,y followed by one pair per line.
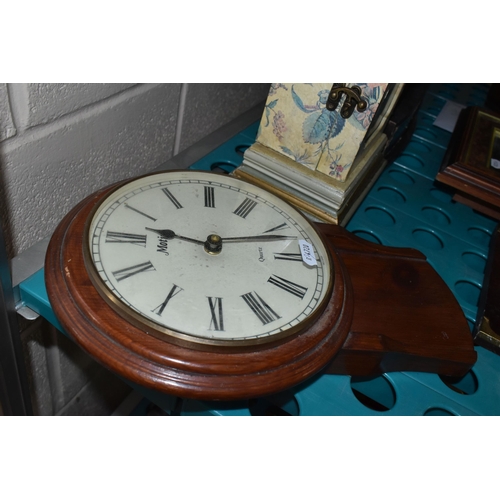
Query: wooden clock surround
x,y
388,311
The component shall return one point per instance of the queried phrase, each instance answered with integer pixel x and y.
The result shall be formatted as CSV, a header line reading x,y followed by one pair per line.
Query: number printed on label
x,y
307,251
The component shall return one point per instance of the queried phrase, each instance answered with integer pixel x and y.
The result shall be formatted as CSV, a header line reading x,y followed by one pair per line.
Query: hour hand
x,y
169,234
164,233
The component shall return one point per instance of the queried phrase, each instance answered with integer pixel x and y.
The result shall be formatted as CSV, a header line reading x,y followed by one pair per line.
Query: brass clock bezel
x,y
189,340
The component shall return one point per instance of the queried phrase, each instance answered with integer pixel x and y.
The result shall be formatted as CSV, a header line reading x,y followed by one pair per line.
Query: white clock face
x,y
248,283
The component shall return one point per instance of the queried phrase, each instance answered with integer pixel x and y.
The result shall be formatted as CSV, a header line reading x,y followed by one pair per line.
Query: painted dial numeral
x,y
117,237
297,257
172,198
245,207
277,228
217,318
261,309
209,197
126,205
173,292
127,272
288,286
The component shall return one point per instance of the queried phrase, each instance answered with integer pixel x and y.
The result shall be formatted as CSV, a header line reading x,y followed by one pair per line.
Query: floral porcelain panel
x,y
297,124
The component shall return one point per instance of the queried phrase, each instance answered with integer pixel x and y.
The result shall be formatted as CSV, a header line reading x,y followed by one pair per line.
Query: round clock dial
x,y
207,259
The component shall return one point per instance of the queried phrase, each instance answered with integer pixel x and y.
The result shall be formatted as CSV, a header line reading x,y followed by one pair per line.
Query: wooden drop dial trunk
x,y
388,311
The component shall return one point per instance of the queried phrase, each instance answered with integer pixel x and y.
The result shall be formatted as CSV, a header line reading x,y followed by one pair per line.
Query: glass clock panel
x,y
209,257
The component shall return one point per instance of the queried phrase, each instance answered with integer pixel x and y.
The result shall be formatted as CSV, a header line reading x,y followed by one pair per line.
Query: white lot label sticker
x,y
307,251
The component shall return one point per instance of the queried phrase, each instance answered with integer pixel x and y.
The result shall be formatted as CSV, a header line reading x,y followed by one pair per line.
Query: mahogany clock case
x,y
388,311
161,362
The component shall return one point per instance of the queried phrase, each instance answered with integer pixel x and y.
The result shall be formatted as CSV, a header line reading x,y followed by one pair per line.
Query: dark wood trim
x,y
405,316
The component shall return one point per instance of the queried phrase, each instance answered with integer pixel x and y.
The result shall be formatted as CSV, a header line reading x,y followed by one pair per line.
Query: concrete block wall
x,y
59,143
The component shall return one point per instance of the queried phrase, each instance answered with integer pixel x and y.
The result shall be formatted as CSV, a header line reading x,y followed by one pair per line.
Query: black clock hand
x,y
169,234
260,237
214,243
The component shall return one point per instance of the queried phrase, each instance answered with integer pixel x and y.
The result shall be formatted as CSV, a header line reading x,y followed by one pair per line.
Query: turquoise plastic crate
x,y
229,155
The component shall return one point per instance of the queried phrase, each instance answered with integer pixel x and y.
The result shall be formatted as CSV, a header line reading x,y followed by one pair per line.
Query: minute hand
x,y
260,237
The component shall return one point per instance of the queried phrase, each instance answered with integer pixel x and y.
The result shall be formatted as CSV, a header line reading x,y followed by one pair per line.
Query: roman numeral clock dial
x,y
206,260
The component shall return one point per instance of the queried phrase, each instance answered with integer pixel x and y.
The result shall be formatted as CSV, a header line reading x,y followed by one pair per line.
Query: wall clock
x,y
205,286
